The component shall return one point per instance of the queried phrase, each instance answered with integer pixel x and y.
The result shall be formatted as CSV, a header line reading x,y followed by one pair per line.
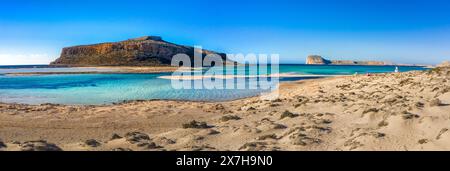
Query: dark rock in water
x,y
92,143
136,137
39,145
143,51
115,137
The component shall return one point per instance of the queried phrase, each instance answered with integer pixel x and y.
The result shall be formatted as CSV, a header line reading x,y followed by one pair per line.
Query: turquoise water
x,y
96,89
342,69
46,68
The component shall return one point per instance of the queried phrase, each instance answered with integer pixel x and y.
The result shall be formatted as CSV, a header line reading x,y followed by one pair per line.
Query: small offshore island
x,y
385,111
147,54
142,51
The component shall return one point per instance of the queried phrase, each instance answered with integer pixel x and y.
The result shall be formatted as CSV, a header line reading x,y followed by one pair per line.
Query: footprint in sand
x,y
443,131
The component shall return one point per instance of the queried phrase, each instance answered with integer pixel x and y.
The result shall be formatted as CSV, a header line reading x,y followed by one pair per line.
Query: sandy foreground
x,y
398,111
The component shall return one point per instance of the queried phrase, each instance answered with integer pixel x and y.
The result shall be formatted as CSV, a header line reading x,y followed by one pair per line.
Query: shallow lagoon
x,y
96,89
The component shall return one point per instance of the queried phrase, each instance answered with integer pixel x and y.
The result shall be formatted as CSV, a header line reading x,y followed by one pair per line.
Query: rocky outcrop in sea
x,y
319,60
143,51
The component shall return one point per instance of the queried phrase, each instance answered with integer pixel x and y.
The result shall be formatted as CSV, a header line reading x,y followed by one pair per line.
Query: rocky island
x,y
319,60
143,51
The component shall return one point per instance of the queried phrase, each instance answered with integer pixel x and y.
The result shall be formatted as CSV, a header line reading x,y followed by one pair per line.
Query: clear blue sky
x,y
33,32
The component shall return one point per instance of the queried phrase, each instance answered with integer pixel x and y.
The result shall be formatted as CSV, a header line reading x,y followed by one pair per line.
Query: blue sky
x,y
33,32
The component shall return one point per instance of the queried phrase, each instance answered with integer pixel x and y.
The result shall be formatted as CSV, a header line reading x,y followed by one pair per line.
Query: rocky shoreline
x,y
396,111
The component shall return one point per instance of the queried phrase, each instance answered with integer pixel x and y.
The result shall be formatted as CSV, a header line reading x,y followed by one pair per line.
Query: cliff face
x,y
143,51
318,60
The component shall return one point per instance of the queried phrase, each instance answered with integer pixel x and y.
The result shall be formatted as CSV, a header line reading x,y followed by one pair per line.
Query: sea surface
x,y
98,89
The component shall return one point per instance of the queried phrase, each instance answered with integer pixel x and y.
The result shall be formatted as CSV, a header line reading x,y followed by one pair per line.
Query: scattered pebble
x,y
279,126
164,141
305,140
375,110
269,136
253,146
229,117
115,136
121,149
147,145
383,124
423,141
287,114
196,125
410,116
2,145
92,143
136,137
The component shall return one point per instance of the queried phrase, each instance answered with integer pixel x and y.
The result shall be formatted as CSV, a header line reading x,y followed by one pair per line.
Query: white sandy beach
x,y
398,111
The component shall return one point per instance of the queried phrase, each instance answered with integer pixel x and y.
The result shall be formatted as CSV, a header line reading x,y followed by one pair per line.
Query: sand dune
x,y
398,111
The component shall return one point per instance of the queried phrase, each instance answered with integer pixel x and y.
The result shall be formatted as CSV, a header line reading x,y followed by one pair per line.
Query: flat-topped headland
x,y
319,60
143,51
